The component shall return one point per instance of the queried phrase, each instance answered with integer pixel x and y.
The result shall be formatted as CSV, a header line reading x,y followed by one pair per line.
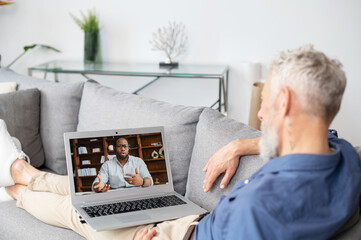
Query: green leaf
x,y
50,48
88,22
26,48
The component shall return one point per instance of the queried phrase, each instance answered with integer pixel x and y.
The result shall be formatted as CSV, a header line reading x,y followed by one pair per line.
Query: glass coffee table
x,y
219,72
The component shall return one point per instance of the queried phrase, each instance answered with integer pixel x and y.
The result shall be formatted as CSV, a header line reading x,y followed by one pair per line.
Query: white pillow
x,y
6,87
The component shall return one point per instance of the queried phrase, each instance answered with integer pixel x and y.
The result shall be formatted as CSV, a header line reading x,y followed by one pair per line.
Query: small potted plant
x,y
172,40
90,25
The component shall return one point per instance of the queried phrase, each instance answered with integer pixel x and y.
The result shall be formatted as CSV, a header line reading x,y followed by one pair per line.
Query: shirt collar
x,y
303,162
115,159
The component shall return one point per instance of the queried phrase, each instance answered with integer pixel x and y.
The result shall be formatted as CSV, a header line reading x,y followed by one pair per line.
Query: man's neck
x,y
304,134
123,161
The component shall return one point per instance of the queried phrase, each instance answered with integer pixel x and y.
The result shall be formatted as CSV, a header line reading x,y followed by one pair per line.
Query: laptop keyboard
x,y
132,206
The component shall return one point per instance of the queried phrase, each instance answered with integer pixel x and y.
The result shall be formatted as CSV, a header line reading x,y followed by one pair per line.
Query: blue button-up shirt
x,y
114,172
296,196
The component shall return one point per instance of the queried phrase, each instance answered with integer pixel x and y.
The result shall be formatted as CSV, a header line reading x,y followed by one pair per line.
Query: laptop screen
x,y
116,163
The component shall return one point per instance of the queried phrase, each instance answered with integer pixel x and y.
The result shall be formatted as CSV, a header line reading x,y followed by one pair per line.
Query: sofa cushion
x,y
59,103
16,223
353,233
214,131
21,113
105,108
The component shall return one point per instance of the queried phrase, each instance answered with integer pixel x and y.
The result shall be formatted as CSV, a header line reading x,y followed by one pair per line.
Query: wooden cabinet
x,y
88,155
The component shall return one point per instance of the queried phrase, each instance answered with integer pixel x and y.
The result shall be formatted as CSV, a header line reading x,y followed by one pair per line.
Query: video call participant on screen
x,y
123,170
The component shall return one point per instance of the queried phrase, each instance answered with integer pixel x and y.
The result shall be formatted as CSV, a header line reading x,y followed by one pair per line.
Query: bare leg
x,y
15,190
22,172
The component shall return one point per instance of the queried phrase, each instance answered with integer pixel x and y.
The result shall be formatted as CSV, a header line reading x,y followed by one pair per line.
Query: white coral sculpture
x,y
171,39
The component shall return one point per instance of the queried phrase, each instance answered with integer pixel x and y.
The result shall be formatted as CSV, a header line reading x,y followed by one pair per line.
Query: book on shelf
x,y
96,150
82,150
85,162
83,172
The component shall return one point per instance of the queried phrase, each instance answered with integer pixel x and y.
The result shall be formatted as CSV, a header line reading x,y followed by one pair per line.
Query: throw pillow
x,y
214,131
105,108
21,111
6,87
59,104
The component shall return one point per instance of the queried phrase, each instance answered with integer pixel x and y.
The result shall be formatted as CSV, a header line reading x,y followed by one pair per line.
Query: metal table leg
x,y
220,95
146,85
224,95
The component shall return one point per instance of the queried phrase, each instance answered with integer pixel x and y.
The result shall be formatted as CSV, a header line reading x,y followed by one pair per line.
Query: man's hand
x,y
226,160
101,186
134,179
145,234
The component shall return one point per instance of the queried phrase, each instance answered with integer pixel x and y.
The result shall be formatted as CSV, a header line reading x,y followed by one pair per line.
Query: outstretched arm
x,y
100,183
101,186
226,160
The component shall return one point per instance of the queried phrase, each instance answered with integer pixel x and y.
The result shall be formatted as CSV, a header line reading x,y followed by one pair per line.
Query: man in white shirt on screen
x,y
123,170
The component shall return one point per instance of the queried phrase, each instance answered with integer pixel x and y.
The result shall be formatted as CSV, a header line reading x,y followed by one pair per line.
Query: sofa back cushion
x,y
21,113
105,108
59,104
214,131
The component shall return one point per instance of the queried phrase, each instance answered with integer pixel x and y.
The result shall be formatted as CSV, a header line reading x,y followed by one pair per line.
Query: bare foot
x,y
22,172
15,190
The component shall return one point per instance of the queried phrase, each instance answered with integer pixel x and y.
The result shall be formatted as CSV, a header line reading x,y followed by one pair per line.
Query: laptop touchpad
x,y
134,217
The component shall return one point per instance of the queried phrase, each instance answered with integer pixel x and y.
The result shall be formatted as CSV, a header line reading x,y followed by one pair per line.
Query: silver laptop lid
x,y
86,152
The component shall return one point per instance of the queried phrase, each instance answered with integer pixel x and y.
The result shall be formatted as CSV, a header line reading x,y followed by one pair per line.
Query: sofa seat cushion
x,y
59,104
21,113
16,223
105,108
214,131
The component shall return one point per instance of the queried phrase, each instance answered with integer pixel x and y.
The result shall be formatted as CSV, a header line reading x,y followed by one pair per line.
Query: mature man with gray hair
x,y
309,188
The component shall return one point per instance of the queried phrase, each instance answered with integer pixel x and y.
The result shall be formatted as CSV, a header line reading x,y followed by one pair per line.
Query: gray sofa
x,y
41,111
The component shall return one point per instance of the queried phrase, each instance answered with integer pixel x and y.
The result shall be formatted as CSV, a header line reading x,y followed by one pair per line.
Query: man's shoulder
x,y
135,159
107,163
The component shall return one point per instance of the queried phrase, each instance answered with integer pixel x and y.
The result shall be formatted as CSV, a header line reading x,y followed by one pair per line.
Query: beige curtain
x,y
253,120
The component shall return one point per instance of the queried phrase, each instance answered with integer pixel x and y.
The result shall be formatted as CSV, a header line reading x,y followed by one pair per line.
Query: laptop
x,y
124,204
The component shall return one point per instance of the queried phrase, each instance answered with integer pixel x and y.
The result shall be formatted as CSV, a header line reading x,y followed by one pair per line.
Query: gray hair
x,y
319,82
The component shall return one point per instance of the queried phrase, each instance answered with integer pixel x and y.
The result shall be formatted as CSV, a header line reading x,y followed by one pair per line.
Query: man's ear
x,y
285,100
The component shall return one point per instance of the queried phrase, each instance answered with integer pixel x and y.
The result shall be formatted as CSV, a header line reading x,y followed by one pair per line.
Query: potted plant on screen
x,y
89,23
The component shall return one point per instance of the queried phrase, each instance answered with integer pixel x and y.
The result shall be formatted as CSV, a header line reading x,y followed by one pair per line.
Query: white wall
x,y
220,32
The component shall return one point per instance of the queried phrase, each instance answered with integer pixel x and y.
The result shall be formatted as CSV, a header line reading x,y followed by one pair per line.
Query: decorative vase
x,y
155,154
91,46
161,152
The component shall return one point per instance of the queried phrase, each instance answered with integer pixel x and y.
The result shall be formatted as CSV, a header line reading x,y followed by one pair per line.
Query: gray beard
x,y
268,144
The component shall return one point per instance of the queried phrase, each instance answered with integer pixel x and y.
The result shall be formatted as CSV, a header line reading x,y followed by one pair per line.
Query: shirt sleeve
x,y
252,220
143,170
103,173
